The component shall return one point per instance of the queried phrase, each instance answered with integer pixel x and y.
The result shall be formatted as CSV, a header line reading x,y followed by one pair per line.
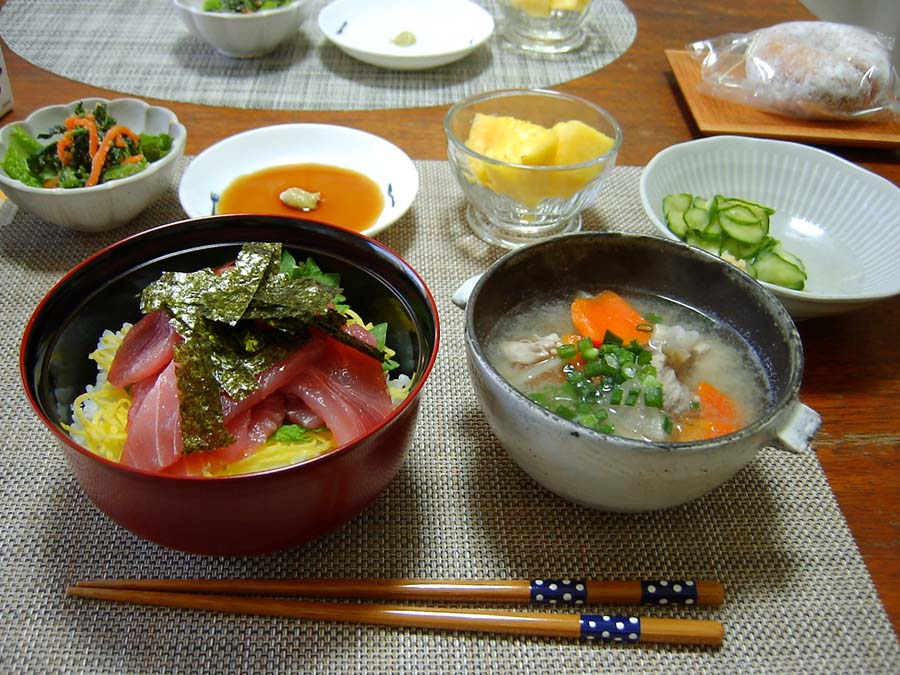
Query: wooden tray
x,y
715,116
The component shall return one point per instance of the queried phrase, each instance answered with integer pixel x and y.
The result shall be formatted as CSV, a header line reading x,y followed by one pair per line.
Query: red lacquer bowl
x,y
235,515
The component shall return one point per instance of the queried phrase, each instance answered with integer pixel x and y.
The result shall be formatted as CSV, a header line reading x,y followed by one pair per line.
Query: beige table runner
x,y
142,48
799,599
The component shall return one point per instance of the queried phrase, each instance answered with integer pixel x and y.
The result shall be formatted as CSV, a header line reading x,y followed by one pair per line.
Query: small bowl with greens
x,y
242,28
813,228
90,165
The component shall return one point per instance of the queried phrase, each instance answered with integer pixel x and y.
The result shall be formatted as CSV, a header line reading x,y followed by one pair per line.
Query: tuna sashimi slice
x,y
276,377
297,412
145,351
154,426
250,429
346,388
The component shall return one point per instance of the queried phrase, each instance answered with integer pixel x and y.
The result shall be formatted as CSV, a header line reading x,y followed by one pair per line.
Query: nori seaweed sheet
x,y
236,323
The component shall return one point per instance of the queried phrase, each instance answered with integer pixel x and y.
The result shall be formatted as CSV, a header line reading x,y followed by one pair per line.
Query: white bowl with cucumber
x,y
815,229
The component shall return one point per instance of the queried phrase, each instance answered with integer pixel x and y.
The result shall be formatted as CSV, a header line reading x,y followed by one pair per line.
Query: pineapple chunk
x,y
532,7
544,7
516,141
577,142
512,140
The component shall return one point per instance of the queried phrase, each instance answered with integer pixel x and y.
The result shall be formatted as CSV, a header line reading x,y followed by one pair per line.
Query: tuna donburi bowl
x,y
233,384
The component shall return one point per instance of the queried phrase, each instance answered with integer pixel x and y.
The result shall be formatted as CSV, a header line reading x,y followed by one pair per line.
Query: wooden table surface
x,y
852,376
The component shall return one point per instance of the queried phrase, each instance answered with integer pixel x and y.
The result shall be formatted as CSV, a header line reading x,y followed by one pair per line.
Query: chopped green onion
x,y
591,354
587,420
667,425
565,412
632,398
539,398
610,338
566,352
584,344
615,396
607,429
653,396
593,369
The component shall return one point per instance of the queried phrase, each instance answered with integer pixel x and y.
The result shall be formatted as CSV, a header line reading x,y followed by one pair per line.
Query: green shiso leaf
x,y
293,433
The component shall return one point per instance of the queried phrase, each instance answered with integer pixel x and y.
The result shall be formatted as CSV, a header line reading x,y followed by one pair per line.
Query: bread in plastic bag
x,y
807,69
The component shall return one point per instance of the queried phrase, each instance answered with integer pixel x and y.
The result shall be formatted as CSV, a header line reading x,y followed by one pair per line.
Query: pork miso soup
x,y
632,365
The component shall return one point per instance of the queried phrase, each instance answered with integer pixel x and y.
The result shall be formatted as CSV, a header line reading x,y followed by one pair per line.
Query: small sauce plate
x,y
406,34
216,168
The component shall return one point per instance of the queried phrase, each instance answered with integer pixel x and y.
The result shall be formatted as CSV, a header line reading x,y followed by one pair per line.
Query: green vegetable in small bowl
x,y
90,165
242,6
88,148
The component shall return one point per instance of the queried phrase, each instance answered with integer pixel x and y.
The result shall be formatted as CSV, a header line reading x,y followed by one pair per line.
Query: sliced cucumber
x,y
714,229
737,229
788,256
694,238
696,218
750,233
741,214
751,205
741,249
680,202
705,204
675,221
776,269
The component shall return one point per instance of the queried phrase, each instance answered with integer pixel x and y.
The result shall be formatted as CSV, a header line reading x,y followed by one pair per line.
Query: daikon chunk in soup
x,y
632,365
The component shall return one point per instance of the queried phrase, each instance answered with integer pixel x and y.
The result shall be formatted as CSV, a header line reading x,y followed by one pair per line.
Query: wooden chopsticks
x,y
546,591
231,595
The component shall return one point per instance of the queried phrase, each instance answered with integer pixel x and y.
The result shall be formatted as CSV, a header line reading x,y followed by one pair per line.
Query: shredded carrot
x,y
134,159
62,149
718,416
608,311
88,123
99,158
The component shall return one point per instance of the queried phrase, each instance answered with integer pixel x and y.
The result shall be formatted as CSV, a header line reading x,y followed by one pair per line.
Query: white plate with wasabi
x,y
406,34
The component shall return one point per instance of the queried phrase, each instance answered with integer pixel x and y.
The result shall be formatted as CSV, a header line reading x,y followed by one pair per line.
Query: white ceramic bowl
x,y
218,166
840,219
242,35
444,30
108,205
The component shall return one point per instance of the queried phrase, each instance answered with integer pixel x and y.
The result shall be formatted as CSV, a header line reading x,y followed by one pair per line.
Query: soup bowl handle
x,y
461,295
796,428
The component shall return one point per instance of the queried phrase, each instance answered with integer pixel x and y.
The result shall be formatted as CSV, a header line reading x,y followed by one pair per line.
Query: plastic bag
x,y
808,69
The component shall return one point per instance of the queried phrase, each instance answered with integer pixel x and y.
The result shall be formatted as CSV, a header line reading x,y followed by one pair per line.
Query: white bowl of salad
x,y
242,28
90,165
813,228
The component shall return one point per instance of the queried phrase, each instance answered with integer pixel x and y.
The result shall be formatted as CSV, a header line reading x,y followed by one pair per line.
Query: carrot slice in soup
x,y
719,415
608,311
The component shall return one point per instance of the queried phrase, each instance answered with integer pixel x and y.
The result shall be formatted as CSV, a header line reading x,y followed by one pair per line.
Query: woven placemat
x,y
799,598
143,49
